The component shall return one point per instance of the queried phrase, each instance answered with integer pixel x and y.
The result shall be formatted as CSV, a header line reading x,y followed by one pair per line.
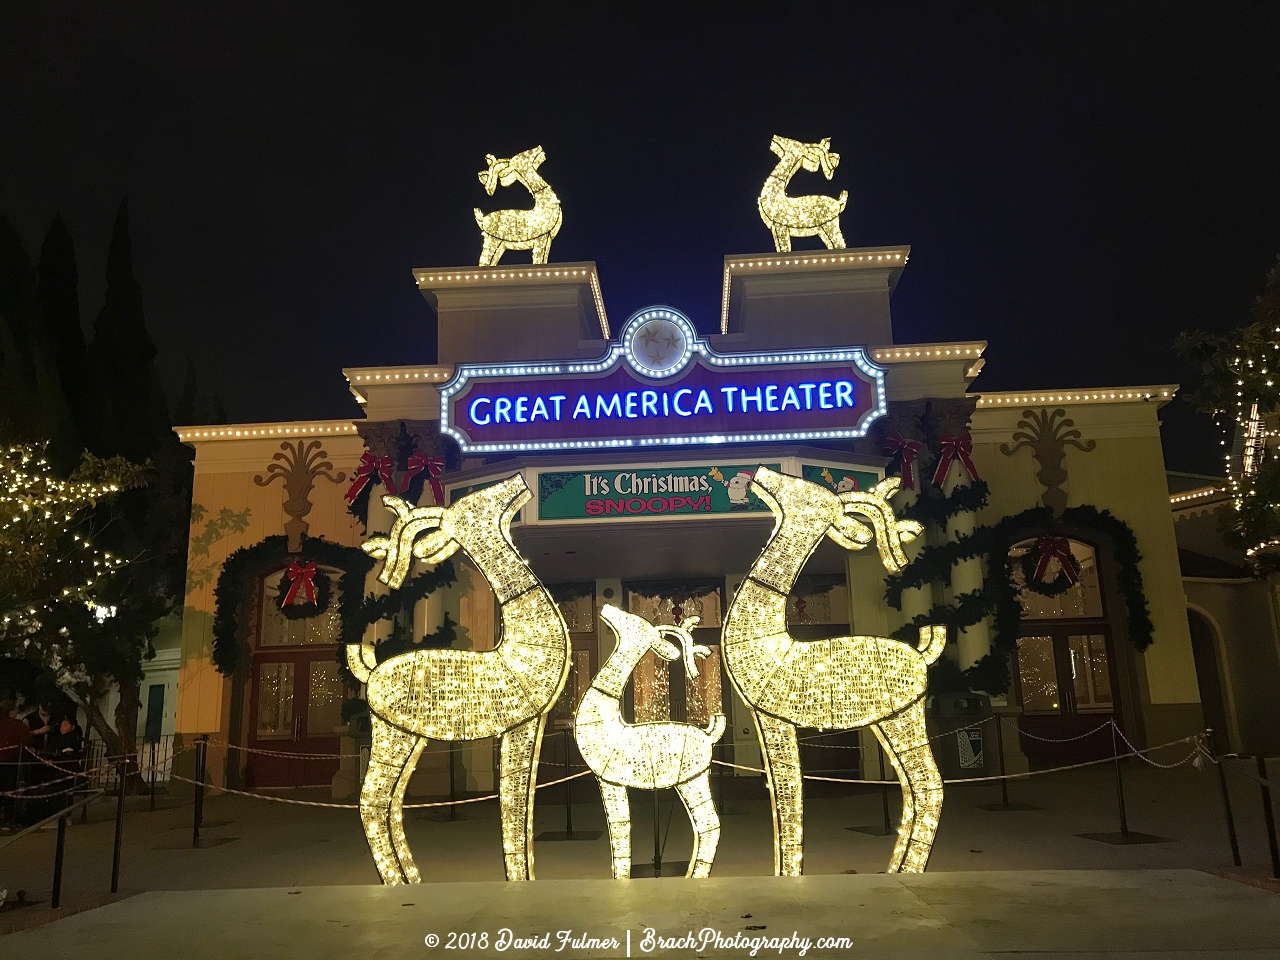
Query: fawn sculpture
x,y
462,694
533,229
647,756
839,684
811,216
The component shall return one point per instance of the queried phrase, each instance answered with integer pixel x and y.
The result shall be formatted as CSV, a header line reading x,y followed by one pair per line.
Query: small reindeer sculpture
x,y
505,230
789,217
648,756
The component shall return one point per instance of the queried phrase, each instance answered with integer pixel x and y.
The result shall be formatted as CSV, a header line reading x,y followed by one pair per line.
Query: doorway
x,y
296,694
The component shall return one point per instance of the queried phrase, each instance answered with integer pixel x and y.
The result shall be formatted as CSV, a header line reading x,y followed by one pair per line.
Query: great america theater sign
x,y
662,385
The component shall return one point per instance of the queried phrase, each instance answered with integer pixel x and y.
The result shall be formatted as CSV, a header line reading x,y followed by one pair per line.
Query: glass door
x,y
295,697
1064,683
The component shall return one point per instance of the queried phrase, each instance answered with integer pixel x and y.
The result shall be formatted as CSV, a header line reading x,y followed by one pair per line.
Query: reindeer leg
x,y
542,249
782,769
906,741
782,239
516,786
696,794
395,815
490,252
617,812
392,748
832,236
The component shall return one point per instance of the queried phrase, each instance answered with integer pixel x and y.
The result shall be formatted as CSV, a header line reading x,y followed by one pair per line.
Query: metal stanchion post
x,y
122,767
57,863
453,783
202,747
884,791
1219,762
1115,752
568,790
20,802
1004,781
657,846
153,774
1269,817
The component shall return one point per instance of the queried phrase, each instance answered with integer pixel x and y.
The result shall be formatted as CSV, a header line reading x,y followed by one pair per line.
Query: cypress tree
x,y
60,309
184,411
123,358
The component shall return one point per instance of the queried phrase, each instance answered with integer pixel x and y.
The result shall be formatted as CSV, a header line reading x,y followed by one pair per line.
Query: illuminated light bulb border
x,y
1095,395
267,431
892,257
855,355
472,275
1201,493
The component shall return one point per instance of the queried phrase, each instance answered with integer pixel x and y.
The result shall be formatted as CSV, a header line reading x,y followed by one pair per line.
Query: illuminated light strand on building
x,y
424,279
1199,494
447,694
243,431
837,684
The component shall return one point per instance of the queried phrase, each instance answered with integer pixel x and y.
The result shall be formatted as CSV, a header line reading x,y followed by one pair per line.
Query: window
x,y
1083,599
693,699
279,631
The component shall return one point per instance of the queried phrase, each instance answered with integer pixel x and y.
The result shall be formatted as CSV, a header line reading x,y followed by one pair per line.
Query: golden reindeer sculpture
x,y
811,216
648,756
505,230
839,684
462,694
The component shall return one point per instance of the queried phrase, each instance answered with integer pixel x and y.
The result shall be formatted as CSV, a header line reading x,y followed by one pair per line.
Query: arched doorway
x,y
1204,647
1064,676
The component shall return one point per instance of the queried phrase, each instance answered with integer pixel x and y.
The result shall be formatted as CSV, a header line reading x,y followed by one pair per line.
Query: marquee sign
x,y
662,385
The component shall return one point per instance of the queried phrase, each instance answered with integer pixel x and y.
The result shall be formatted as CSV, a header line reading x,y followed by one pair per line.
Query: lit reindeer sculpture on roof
x,y
505,230
811,216
648,756
462,694
839,684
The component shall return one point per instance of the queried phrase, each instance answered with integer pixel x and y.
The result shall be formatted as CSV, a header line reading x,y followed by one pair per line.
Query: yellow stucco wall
x,y
1125,474
224,480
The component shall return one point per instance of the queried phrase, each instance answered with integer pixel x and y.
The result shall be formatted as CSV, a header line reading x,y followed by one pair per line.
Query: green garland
x,y
998,597
304,610
245,568
1047,588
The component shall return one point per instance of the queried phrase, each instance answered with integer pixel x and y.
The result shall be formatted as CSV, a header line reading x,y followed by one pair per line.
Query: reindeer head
x,y
812,156
433,534
792,496
508,171
637,632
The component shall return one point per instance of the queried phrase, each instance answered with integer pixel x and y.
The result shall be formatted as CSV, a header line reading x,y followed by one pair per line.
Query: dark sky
x,y
1078,183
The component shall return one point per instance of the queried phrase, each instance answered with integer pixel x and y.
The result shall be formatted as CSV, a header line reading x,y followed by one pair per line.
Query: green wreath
x,y
1047,588
301,609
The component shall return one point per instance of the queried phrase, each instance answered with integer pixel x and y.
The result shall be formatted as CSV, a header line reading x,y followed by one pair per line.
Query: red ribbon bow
x,y
1056,548
953,447
369,466
434,467
907,449
304,577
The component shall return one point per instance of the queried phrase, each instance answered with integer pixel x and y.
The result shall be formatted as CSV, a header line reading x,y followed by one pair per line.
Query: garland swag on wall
x,y
999,598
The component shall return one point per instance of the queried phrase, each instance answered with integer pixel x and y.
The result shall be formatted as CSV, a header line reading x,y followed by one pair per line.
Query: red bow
x,y
907,449
1056,548
304,577
370,465
434,467
953,447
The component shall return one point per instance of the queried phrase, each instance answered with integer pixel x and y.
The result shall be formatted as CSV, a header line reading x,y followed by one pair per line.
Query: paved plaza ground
x,y
262,844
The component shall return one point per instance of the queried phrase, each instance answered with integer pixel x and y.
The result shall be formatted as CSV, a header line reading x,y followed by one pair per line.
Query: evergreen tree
x,y
185,410
60,309
123,359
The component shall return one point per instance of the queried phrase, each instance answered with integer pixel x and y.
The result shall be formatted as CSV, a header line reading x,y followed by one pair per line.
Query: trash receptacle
x,y
965,744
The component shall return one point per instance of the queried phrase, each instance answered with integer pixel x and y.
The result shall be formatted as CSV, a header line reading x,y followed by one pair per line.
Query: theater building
x,y
637,437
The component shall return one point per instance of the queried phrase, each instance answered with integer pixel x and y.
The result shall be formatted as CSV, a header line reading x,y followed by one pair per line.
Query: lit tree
x,y
55,584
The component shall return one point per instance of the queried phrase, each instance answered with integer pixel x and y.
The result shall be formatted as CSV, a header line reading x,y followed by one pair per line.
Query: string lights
x,y
648,756
446,694
842,683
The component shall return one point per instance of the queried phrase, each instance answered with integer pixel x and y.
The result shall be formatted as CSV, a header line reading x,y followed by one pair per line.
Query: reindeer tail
x,y
361,660
933,640
480,214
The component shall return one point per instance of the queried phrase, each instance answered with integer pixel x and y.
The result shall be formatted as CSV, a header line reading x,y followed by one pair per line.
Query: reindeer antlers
x,y
401,544
890,532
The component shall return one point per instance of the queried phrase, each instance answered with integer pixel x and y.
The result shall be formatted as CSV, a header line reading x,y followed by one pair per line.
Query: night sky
x,y
1078,183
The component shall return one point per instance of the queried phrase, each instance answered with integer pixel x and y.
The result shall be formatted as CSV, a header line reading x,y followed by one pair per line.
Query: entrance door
x,y
1065,687
560,756
296,696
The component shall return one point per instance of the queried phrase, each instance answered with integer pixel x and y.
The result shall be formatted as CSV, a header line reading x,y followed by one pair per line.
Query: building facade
x,y
638,441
